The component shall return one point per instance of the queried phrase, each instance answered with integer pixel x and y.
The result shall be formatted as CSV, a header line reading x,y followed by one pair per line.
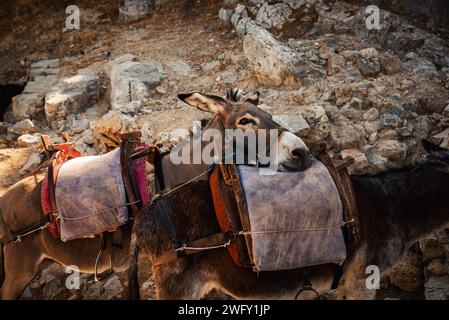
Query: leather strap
x,y
215,241
344,185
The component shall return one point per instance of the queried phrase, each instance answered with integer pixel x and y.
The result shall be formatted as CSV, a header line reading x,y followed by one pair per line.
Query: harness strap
x,y
215,241
7,236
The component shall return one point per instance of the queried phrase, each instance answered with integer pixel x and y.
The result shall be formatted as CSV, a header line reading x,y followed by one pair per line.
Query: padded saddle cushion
x,y
295,218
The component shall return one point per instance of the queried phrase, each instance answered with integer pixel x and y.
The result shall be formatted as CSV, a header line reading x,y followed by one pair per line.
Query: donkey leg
x,y
187,285
22,262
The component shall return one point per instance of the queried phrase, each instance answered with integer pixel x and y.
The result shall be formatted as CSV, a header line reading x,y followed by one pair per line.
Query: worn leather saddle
x,y
287,220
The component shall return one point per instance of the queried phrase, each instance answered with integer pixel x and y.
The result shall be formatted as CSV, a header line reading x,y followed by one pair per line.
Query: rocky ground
x,y
368,94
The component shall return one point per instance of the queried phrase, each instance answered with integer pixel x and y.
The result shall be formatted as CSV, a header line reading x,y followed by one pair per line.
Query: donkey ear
x,y
254,98
204,102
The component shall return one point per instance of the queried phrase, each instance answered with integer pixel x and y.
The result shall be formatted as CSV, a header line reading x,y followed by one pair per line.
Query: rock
x,y
210,66
44,68
437,288
46,64
70,96
373,137
377,162
112,288
93,292
273,16
360,160
224,15
23,127
29,140
368,62
229,77
392,149
134,10
345,134
27,294
52,289
106,130
437,268
407,274
442,137
27,106
31,163
274,63
148,289
389,120
432,250
351,113
371,115
419,65
181,68
406,130
132,81
127,57
295,124
79,126
318,122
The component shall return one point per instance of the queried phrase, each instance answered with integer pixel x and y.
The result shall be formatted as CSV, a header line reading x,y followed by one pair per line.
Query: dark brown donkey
x,y
396,209
20,205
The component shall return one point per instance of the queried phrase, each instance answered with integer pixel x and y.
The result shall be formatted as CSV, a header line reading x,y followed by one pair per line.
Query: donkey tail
x,y
133,273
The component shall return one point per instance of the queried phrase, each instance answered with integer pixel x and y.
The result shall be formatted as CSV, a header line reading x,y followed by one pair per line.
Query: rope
x,y
185,247
295,230
19,237
97,213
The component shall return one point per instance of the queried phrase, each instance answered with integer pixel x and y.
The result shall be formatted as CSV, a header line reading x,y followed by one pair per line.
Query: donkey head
x,y
241,114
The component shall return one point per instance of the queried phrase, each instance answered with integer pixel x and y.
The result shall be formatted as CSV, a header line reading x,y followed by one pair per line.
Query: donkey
x,y
396,209
20,205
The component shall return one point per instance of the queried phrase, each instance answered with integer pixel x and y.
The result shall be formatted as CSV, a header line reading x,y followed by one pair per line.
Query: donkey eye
x,y
245,121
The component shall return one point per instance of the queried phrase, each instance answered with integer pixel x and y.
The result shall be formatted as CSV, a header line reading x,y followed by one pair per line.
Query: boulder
x,y
181,68
368,62
275,64
33,161
23,127
392,149
29,140
371,115
132,81
389,120
273,15
407,274
345,134
360,160
27,106
113,288
318,122
295,124
134,10
71,95
106,130
437,288
420,65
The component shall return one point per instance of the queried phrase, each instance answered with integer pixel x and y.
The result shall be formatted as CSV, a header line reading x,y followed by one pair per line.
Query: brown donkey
x,y
396,209
20,205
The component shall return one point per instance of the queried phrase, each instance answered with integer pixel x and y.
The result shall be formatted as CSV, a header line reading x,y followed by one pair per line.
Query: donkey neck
x,y
174,174
398,208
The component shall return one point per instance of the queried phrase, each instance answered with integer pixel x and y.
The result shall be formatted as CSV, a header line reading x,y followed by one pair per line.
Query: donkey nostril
x,y
297,153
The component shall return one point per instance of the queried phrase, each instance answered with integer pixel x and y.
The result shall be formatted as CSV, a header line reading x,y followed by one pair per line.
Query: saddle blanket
x,y
90,196
296,218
